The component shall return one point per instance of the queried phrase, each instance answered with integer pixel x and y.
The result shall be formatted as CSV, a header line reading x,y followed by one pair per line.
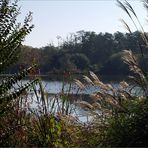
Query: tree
x,y
12,33
81,61
11,36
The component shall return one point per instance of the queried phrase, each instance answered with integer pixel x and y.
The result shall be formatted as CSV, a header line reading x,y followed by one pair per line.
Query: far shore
x,y
61,76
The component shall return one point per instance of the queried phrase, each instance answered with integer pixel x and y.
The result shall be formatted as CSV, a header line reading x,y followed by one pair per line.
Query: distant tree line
x,y
83,51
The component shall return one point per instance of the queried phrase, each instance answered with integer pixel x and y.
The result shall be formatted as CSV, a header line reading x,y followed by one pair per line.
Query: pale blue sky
x,y
59,18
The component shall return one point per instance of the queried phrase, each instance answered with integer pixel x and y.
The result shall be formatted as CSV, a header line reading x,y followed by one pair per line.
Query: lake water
x,y
53,89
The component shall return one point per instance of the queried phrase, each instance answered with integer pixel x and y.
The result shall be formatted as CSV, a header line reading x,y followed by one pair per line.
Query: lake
x,y
54,87
53,91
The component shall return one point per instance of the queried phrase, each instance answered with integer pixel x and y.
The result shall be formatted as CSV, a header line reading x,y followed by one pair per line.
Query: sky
x,y
53,18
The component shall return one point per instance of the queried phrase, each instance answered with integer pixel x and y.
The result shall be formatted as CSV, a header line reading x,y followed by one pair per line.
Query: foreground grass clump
x,y
47,131
42,131
129,129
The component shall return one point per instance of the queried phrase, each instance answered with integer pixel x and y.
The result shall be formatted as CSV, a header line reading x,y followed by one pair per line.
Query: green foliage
x,y
115,66
7,95
81,61
10,104
11,36
46,131
11,33
130,129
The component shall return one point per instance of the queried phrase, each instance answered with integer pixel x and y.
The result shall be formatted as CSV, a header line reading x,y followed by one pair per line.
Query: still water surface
x,y
54,88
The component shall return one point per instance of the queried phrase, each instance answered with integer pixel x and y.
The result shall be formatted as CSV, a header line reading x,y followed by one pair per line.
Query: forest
x,y
85,51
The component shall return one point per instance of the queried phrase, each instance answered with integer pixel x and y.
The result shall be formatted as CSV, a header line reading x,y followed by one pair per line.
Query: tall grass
x,y
121,113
